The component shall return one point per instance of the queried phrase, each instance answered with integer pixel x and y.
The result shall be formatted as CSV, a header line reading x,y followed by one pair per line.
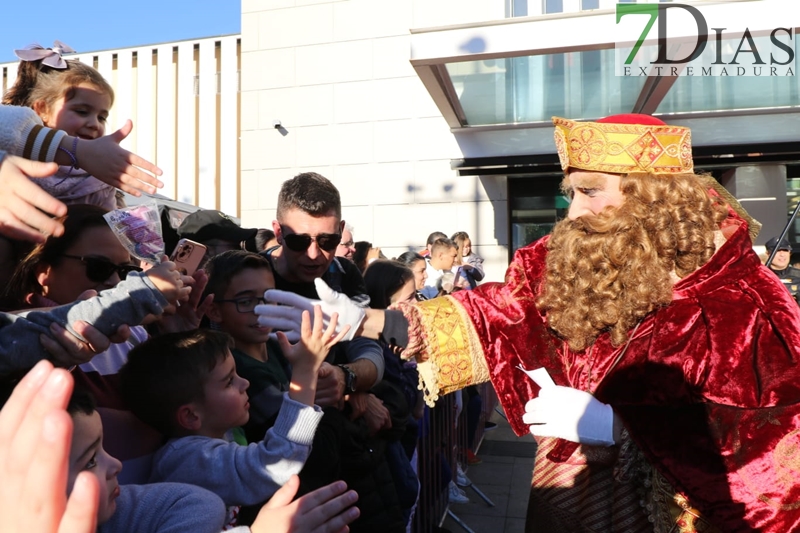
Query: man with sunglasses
x,y
309,228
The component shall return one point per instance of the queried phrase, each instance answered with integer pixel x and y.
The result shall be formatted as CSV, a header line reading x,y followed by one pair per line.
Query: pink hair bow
x,y
49,56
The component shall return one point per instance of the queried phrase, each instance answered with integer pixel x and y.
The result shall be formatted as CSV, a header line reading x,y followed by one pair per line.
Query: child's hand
x,y
325,510
189,315
314,344
107,161
168,280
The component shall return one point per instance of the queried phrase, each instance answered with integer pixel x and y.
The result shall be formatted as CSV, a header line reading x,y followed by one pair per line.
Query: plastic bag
x,y
138,228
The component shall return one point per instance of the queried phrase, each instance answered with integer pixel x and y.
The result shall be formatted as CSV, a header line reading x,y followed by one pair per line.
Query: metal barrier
x,y
444,440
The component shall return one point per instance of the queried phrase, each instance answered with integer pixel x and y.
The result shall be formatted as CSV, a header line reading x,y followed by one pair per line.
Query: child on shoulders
x,y
72,97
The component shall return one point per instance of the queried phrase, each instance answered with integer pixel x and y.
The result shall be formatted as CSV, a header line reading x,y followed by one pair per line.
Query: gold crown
x,y
623,148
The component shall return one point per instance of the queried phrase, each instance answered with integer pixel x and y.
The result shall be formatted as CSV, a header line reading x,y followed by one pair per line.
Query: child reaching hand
x,y
186,386
73,97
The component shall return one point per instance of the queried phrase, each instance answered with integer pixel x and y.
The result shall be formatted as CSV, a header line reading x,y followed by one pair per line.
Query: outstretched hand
x,y
35,440
26,210
190,314
288,315
315,343
175,287
325,510
107,161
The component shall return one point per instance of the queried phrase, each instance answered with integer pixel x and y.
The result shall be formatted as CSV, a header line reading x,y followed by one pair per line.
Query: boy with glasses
x,y
238,279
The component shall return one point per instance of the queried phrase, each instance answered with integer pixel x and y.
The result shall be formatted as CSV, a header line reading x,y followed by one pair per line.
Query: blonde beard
x,y
603,274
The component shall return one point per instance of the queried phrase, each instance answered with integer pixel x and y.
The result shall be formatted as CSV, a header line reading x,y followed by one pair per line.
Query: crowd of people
x,y
141,397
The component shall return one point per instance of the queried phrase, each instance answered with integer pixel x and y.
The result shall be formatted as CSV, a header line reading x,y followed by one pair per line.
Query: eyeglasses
x,y
348,244
99,269
245,304
299,242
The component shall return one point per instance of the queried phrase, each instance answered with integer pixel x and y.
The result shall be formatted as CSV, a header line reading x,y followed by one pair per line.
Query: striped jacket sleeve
x,y
22,134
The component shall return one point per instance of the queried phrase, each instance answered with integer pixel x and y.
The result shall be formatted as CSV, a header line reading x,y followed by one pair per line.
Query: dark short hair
x,y
383,278
311,193
263,236
440,244
81,403
223,267
409,258
168,371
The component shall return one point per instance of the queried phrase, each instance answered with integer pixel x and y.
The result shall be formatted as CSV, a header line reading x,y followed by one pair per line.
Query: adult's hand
x,y
570,414
35,440
26,210
375,414
107,161
288,315
67,350
330,386
325,510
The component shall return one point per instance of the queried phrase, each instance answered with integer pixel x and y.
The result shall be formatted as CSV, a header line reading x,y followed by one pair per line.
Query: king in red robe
x,y
698,359
674,353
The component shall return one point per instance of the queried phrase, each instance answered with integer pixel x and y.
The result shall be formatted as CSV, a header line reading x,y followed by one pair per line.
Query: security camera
x,y
276,124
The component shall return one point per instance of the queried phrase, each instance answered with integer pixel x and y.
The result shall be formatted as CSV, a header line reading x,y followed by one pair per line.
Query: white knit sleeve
x,y
22,134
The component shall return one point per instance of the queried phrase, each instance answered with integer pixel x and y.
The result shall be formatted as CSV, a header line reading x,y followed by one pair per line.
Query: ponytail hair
x,y
39,82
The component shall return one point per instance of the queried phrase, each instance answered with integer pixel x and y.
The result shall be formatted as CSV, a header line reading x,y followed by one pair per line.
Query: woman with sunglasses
x,y
88,256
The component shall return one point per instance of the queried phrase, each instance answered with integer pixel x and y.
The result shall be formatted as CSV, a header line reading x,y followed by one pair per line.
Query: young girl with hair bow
x,y
66,104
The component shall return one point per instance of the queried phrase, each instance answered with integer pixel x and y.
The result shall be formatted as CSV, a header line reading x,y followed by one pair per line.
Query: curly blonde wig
x,y
605,273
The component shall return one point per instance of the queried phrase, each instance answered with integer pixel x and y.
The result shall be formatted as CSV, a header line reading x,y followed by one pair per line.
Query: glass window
x,y
699,93
578,85
536,205
519,8
590,4
553,6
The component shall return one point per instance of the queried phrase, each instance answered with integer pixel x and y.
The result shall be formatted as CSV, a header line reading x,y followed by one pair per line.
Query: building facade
x,y
435,115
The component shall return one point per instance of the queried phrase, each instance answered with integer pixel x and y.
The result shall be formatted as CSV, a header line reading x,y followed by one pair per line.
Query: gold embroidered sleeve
x,y
444,342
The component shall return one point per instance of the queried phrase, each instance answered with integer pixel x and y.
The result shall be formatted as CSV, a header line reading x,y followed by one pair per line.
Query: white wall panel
x,y
230,185
207,127
11,74
144,120
166,115
105,65
187,124
123,98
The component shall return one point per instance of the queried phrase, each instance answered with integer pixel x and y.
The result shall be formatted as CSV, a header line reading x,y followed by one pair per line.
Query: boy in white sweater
x,y
186,386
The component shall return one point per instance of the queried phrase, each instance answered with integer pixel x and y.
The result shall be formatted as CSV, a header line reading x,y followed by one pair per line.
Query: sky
x,y
92,25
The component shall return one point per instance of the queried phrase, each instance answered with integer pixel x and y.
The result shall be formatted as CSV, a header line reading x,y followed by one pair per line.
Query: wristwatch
x,y
350,379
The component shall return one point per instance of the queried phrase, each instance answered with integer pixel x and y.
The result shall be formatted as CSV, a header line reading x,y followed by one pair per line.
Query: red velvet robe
x,y
709,387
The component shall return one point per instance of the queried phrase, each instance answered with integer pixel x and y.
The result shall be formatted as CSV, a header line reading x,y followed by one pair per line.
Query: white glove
x,y
570,414
287,316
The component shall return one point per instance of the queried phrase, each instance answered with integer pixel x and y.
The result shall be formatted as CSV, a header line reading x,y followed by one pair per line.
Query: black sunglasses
x,y
299,242
99,269
245,304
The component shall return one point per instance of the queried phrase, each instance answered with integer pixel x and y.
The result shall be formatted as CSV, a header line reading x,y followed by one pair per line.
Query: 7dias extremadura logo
x,y
733,40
